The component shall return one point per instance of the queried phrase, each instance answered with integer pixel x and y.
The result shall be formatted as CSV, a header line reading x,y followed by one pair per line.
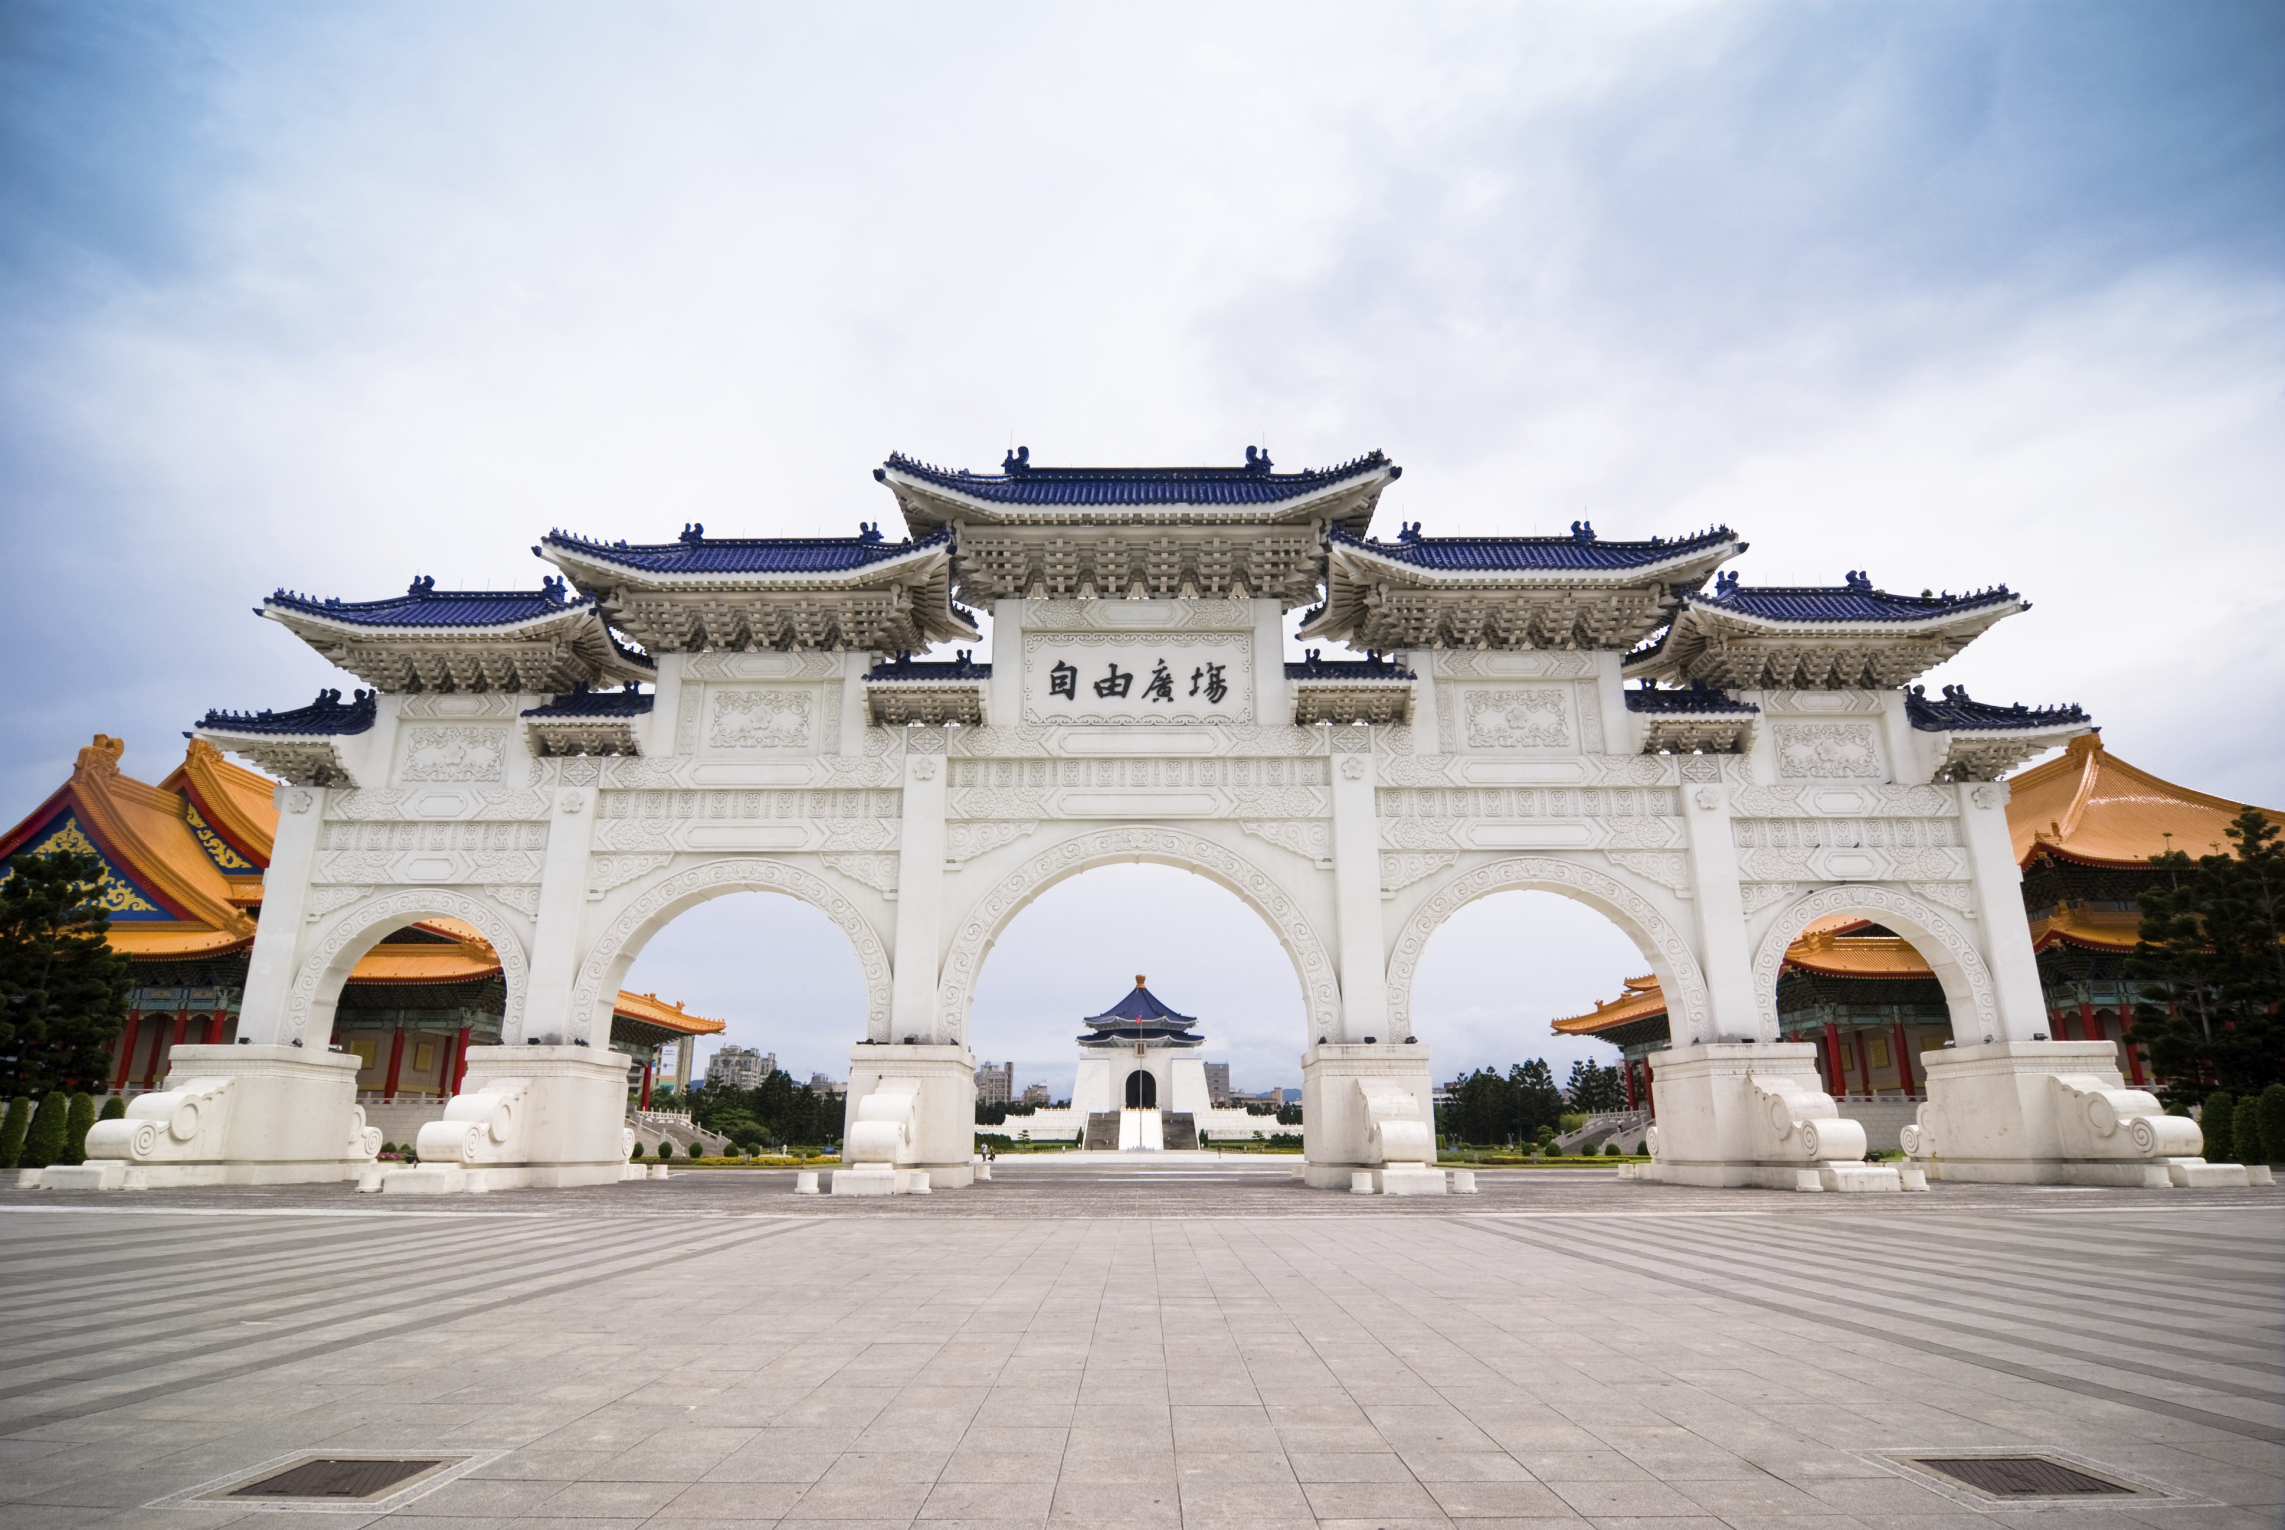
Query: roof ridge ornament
x,y
1861,582
1725,584
868,531
1256,462
693,533
1582,531
423,586
1408,531
1018,460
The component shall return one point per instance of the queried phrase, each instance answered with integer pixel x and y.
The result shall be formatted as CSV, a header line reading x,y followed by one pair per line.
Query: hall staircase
x,y
1102,1132
1181,1129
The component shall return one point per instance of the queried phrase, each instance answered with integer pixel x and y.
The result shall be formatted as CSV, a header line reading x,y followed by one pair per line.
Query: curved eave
x,y
927,504
591,572
527,629
153,942
1753,624
235,802
1685,566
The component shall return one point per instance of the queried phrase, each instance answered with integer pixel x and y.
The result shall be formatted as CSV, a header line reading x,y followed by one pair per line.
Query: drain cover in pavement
x,y
360,1477
2020,1476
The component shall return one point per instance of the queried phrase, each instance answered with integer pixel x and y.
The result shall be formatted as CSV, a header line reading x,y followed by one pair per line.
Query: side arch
x,y
317,986
1662,944
1949,951
984,919
656,906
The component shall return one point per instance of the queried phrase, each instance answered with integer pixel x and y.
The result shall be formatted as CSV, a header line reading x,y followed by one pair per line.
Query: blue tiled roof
x,y
1371,667
1139,1006
328,714
424,606
1019,483
582,702
1467,555
697,553
1856,601
1697,697
905,667
1957,714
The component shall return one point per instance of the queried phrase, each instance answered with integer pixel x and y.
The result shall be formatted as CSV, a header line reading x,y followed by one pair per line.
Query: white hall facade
x,y
1709,764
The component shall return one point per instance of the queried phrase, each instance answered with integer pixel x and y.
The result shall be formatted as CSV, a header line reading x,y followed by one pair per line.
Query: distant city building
x,y
824,1085
996,1085
1038,1094
1218,1083
740,1068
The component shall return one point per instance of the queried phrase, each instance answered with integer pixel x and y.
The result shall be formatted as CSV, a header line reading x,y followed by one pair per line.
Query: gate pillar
x,y
1754,1114
932,1130
1369,1109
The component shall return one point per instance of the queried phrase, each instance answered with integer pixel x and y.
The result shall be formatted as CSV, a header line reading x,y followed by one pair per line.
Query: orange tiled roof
x,y
2088,805
235,803
650,1009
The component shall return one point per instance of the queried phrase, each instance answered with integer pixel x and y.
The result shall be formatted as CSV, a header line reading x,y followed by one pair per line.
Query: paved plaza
x,y
1121,1347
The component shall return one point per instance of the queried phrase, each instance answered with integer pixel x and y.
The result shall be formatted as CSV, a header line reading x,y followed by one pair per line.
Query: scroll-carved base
x,y
931,1128
1751,1114
2050,1113
1369,1109
236,1115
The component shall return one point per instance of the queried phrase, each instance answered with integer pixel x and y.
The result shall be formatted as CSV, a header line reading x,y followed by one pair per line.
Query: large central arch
x,y
657,905
362,925
989,915
1662,945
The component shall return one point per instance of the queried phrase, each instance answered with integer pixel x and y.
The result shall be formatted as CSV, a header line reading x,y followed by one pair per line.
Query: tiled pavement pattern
x,y
1063,1348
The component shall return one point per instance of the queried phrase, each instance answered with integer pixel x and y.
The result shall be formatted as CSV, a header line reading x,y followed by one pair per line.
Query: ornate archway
x,y
1662,945
1950,954
983,921
659,902
344,941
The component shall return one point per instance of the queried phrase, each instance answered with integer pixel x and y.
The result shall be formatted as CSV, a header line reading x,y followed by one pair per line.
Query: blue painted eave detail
x,y
1019,483
329,714
1856,601
1696,699
582,702
1956,713
701,554
905,667
425,606
1371,667
1493,555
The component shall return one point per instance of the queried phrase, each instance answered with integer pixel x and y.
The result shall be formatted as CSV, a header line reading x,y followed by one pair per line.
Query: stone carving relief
x,y
1991,794
587,993
1467,664
989,914
1858,800
1955,896
879,872
455,754
924,769
1312,841
795,664
758,719
964,841
523,897
1354,768
605,872
393,911
1668,950
1402,870
1536,718
1967,982
324,900
1827,751
458,704
1756,896
1666,868
1820,701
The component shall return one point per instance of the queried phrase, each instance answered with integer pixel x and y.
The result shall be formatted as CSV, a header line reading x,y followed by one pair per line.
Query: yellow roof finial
x,y
1138,980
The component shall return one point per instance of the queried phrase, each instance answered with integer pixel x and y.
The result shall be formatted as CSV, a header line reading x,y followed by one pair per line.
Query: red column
x,y
2126,1045
396,1061
1904,1062
128,1036
1835,1080
460,1061
182,1030
2088,1029
646,1088
158,1050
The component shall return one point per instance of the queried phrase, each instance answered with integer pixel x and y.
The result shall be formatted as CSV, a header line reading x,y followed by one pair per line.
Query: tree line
x,y
2211,962
775,1113
1524,1104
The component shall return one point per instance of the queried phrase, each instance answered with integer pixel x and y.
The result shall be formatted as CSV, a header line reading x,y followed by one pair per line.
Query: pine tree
x,y
12,1129
63,990
2217,1120
2245,1134
2213,954
43,1143
76,1124
2272,1124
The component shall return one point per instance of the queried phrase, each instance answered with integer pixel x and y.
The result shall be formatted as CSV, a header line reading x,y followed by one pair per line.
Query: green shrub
x,y
666,1150
2273,1123
1569,1122
43,1143
1610,1150
12,1130
2216,1121
637,1153
114,1109
2246,1138
77,1121
1552,1148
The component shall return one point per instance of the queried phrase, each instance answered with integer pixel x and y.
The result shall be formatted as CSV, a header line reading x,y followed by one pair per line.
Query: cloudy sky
x,y
328,295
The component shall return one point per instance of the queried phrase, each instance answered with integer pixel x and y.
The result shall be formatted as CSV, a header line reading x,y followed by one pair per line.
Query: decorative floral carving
x,y
605,872
1312,841
759,719
1520,719
924,741
1953,895
924,769
964,841
1667,868
1400,871
879,872
1826,751
1990,794
982,923
1668,951
1709,798
298,801
523,897
1353,768
455,754
1699,767
572,802
587,994
324,900
1756,896
326,963
1943,944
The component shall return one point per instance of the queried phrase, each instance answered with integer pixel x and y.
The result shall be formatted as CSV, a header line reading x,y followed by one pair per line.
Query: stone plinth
x,y
1752,1114
1369,1109
242,1115
527,1116
2048,1113
934,1126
